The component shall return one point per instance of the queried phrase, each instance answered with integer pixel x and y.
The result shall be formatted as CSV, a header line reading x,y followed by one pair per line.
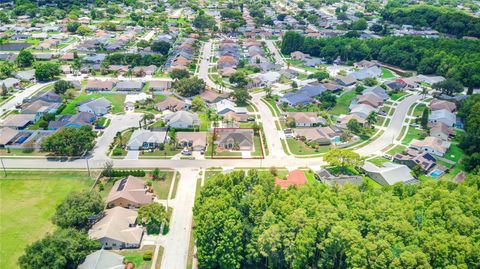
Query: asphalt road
x,y
177,242
393,130
20,95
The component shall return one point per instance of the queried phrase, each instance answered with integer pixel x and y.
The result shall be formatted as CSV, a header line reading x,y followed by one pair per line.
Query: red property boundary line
x,y
212,156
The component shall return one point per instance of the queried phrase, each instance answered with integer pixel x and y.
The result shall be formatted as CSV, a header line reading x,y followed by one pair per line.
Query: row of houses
x,y
96,85
183,55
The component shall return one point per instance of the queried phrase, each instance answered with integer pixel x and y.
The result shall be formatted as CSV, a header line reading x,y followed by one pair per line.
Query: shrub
x,y
147,256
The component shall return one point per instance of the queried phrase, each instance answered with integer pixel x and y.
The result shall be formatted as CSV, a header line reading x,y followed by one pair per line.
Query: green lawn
x,y
162,187
379,161
454,153
272,105
136,256
396,149
397,95
168,151
419,110
342,103
297,147
116,99
413,133
28,201
387,73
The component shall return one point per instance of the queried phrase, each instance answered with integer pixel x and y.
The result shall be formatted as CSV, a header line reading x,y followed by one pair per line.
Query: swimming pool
x,y
436,173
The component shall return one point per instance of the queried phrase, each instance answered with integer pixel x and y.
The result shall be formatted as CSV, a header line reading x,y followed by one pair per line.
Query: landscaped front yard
x,y
28,201
413,133
298,147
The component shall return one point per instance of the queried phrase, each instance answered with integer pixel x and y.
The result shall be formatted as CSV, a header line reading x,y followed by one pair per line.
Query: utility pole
x,y
88,167
3,166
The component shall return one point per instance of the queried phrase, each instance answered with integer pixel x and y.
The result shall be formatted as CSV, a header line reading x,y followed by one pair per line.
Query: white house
x,y
431,144
444,116
182,120
146,139
389,174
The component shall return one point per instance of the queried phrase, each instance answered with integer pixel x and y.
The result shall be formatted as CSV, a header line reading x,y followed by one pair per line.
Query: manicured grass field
x,y
116,99
162,187
413,133
342,103
397,95
299,148
387,73
454,153
28,201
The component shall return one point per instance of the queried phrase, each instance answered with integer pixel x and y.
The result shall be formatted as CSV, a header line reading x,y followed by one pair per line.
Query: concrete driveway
x,y
132,155
118,123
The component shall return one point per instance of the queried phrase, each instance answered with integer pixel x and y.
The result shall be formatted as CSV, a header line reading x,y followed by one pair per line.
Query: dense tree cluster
x,y
470,141
70,141
63,249
445,20
133,60
188,87
46,71
453,58
242,221
77,208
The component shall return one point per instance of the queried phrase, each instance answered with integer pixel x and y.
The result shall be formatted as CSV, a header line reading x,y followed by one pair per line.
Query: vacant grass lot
x,y
28,201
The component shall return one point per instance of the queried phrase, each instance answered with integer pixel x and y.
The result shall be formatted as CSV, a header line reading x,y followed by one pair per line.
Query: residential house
x,y
160,85
305,119
296,98
39,108
10,83
333,180
171,103
371,72
117,229
182,120
235,139
437,104
370,99
212,97
321,135
444,116
26,75
98,107
346,80
413,158
141,71
18,121
343,120
362,110
48,96
430,80
377,90
99,85
129,192
195,140
132,99
129,85
389,174
364,64
224,106
103,259
7,136
294,178
441,130
143,139
431,144
297,55
78,120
